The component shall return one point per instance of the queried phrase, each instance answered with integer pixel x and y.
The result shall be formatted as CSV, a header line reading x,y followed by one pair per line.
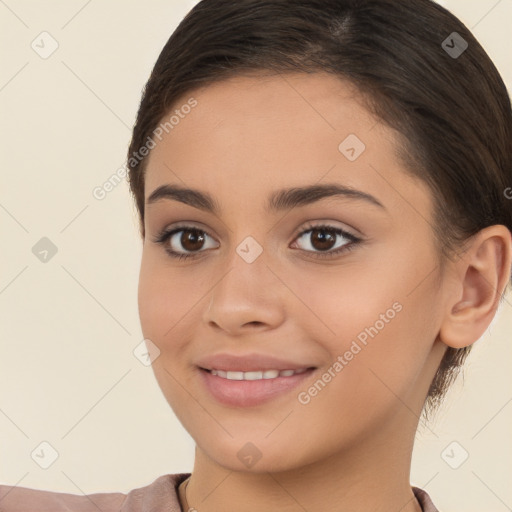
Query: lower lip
x,y
247,393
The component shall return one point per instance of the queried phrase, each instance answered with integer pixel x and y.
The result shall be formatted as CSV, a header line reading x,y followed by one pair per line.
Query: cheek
x,y
375,319
163,300
150,299
163,303
343,303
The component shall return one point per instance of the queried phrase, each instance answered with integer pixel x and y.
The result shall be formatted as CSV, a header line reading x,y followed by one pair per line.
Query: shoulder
x,y
159,495
424,500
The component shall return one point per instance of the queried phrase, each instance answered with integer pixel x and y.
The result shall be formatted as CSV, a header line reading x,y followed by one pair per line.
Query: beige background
x,y
68,375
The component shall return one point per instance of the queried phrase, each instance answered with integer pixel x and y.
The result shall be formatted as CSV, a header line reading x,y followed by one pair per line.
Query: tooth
x,y
253,375
235,375
256,375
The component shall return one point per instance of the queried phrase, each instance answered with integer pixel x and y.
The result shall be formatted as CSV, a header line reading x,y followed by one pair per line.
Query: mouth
x,y
255,375
251,388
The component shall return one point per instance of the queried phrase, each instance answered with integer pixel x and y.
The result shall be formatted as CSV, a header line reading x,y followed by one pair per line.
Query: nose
x,y
248,296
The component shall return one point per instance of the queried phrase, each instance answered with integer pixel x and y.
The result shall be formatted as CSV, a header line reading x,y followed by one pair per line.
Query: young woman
x,y
322,190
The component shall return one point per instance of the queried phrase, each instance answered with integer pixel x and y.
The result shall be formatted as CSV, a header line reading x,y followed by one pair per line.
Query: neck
x,y
373,477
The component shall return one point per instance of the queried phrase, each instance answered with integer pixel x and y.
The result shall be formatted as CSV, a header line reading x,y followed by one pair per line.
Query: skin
x,y
350,447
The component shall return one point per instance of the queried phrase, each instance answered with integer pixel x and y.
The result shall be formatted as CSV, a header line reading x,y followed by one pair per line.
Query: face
x,y
339,284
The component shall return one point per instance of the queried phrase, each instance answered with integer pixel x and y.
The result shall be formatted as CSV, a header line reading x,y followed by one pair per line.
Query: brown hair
x,y
448,102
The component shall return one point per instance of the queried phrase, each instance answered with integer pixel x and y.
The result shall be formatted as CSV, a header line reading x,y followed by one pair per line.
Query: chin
x,y
259,455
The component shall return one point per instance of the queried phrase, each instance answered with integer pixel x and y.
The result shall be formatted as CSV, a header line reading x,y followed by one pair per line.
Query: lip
x,y
249,363
249,393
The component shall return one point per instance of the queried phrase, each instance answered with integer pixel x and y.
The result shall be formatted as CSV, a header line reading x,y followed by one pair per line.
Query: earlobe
x,y
484,271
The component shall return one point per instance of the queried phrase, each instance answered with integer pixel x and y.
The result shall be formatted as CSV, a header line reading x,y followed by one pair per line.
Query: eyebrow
x,y
280,200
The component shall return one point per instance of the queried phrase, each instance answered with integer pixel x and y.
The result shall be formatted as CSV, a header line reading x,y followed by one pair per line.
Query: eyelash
x,y
163,236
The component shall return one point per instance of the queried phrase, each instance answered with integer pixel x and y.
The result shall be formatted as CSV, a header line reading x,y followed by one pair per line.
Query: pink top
x,y
159,496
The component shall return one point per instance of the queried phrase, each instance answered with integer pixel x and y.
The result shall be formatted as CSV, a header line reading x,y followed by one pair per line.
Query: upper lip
x,y
248,363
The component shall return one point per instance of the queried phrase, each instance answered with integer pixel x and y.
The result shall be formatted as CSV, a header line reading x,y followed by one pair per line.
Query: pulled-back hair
x,y
447,102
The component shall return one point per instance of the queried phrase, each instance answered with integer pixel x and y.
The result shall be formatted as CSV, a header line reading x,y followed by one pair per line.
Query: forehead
x,y
259,112
257,132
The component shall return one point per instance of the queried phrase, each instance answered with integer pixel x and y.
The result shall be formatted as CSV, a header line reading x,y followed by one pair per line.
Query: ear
x,y
481,276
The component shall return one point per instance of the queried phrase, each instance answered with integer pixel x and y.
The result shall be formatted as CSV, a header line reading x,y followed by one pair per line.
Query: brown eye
x,y
322,239
326,241
184,241
192,239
